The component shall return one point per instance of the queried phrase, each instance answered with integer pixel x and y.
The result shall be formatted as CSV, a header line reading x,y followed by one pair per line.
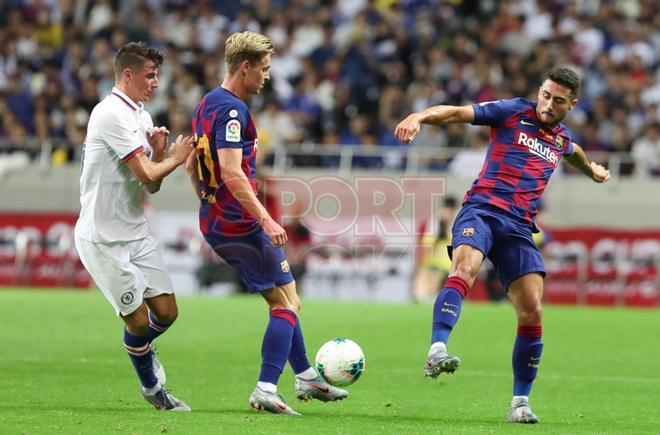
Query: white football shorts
x,y
126,272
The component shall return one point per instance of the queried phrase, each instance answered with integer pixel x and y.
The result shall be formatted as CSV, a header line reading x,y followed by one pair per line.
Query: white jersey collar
x,y
130,103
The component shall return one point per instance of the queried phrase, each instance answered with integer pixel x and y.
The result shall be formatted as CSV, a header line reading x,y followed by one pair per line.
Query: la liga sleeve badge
x,y
233,131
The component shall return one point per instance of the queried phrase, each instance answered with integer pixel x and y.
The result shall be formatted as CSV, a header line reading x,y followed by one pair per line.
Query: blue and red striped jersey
x,y
222,120
522,155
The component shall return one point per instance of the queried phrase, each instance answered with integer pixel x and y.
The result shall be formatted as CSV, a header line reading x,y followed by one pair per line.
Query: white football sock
x,y
517,399
307,375
438,345
267,387
153,390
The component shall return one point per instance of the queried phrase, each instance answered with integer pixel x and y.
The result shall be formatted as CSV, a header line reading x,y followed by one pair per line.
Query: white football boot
x,y
261,400
520,412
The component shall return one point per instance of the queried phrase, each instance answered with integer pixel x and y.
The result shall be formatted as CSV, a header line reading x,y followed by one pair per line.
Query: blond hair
x,y
248,46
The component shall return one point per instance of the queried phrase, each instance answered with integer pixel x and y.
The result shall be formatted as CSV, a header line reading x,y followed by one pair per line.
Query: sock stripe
x,y
138,351
156,327
458,284
287,315
156,324
531,331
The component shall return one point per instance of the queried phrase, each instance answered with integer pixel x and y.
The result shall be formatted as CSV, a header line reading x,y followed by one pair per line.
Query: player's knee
x,y
169,316
465,270
285,305
277,305
531,314
165,314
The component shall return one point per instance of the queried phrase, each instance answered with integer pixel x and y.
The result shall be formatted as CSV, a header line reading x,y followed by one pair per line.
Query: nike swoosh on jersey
x,y
523,122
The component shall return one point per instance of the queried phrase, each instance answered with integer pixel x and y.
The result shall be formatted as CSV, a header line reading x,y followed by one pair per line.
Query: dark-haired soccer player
x,y
527,141
124,155
239,228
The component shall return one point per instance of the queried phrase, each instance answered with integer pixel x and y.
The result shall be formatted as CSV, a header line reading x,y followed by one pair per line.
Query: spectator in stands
x,y
19,102
646,151
347,57
468,161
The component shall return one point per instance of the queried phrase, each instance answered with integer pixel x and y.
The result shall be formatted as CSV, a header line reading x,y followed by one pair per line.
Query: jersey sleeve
x,y
121,133
230,128
494,113
570,149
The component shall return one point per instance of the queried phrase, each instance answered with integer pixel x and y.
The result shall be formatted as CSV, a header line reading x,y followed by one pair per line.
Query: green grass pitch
x,y
63,369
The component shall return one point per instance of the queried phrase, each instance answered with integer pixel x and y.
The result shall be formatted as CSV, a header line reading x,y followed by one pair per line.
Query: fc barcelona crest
x,y
559,142
469,231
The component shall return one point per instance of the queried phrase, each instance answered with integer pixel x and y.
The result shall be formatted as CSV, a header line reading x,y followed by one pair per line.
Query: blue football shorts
x,y
505,240
260,264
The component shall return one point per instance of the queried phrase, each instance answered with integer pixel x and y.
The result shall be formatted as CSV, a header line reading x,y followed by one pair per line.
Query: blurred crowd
x,y
345,71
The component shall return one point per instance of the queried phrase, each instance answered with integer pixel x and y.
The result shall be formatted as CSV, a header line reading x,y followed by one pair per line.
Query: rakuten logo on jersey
x,y
537,148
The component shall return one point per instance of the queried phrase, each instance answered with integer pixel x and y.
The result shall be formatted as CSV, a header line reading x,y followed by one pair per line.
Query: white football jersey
x,y
110,195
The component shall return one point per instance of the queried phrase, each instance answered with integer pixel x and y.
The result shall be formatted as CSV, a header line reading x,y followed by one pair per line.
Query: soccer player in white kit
x,y
124,154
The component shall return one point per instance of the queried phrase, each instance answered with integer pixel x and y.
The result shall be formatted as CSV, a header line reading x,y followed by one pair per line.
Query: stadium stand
x,y
345,72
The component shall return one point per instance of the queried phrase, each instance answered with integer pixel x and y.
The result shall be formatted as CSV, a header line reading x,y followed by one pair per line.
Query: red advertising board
x,y
37,249
603,266
585,265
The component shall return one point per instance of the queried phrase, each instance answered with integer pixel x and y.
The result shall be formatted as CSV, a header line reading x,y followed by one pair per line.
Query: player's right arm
x,y
436,115
147,171
237,183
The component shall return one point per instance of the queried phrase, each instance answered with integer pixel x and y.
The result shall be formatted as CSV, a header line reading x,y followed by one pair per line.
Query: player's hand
x,y
181,148
408,128
157,138
598,173
275,232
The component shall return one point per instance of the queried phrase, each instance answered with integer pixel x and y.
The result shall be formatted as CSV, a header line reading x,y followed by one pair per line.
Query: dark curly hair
x,y
565,77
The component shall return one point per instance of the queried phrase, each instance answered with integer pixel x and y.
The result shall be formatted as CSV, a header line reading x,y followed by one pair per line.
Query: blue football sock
x,y
298,354
447,308
276,345
156,327
139,351
526,358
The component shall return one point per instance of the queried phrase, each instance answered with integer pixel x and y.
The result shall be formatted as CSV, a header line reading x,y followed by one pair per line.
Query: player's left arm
x,y
193,175
157,138
591,169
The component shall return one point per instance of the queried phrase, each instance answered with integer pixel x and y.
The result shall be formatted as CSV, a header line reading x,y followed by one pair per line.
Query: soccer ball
x,y
340,362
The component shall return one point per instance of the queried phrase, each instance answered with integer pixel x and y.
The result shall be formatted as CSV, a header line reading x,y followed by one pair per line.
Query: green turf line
x,y
63,369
